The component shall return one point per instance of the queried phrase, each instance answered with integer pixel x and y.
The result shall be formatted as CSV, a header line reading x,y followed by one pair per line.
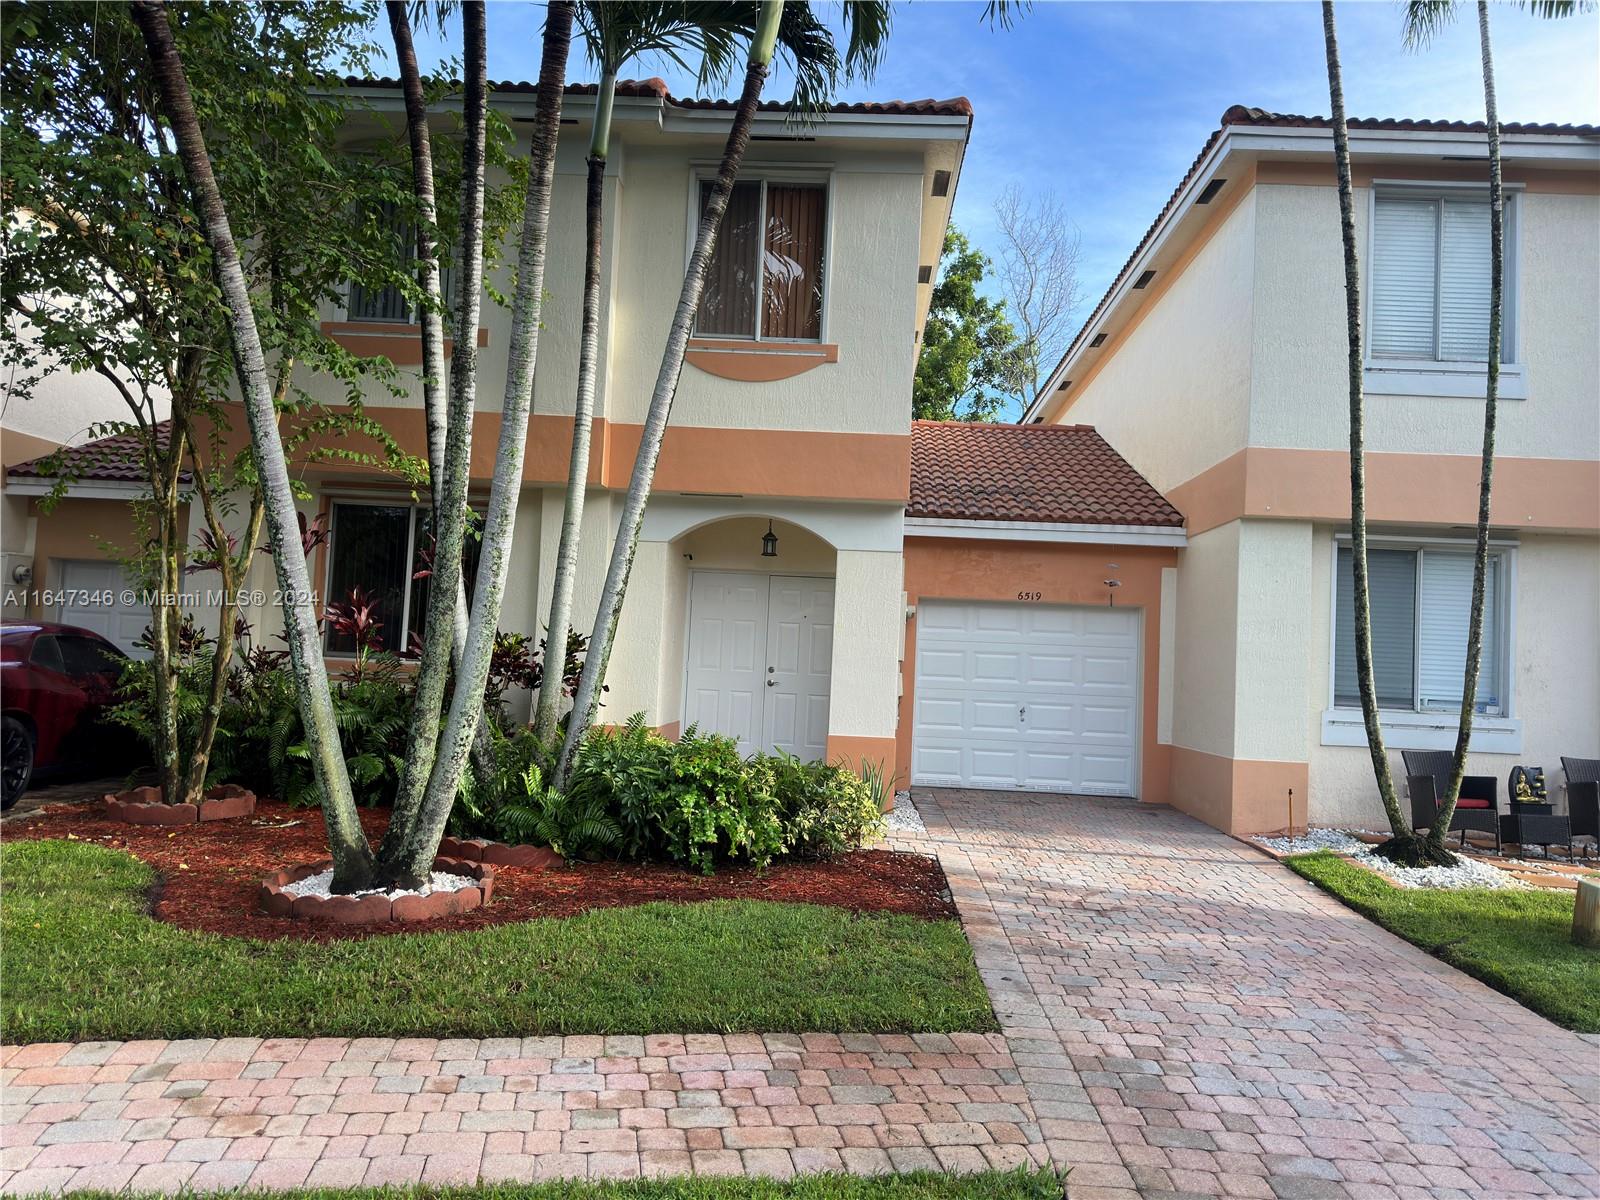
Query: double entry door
x,y
760,660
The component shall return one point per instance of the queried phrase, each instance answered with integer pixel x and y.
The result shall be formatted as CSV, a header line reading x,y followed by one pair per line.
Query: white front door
x,y
759,661
95,595
1032,696
799,665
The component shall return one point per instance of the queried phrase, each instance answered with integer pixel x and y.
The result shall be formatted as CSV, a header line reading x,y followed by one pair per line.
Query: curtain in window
x,y
367,549
1464,281
792,260
1404,268
728,304
1446,600
1392,583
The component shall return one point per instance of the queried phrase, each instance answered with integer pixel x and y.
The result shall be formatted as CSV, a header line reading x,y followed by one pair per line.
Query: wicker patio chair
x,y
1427,781
1583,795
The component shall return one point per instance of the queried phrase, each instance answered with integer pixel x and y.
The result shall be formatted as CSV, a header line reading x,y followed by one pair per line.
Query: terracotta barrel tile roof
x,y
114,459
656,89
1065,474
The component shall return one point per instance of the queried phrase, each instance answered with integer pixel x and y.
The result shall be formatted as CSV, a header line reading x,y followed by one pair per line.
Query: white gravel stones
x,y
904,817
1468,872
322,885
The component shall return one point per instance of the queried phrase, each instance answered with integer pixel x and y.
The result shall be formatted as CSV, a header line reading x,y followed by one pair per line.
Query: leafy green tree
x,y
107,271
971,360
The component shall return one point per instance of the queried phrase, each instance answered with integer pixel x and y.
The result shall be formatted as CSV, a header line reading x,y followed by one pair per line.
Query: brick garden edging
x,y
498,854
145,806
374,908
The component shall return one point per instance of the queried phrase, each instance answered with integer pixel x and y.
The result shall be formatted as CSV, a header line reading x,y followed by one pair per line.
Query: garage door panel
x,y
988,668
1101,671
1074,671
1045,668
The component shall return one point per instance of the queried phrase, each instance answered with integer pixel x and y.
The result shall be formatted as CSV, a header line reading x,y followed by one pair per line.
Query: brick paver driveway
x,y
1192,1019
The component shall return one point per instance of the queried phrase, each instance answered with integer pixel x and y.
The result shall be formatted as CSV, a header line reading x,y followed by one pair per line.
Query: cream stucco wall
x,y
1274,620
1173,398
869,305
1298,387
869,619
1555,667
869,296
1206,654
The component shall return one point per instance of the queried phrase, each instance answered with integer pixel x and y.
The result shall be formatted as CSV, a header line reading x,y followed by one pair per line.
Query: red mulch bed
x,y
210,873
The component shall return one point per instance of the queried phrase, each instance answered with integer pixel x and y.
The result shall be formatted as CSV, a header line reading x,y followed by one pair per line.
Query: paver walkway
x,y
1193,1020
1182,1018
237,1112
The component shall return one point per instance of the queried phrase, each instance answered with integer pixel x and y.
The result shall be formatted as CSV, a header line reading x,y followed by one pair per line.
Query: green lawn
x,y
84,961
1011,1185
1518,942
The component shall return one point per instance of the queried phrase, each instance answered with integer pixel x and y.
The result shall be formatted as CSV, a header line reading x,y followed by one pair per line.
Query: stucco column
x,y
868,620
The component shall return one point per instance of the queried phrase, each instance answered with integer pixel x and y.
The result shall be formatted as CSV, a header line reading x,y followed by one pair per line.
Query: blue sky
x,y
1108,103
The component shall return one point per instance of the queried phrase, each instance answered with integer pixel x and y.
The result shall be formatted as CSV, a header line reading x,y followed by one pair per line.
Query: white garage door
x,y
1028,696
92,598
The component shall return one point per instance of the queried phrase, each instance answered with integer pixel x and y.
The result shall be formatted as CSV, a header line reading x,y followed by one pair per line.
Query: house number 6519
x,y
1030,595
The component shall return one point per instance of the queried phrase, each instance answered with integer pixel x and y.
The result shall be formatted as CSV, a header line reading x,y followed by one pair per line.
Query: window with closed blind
x,y
1430,278
390,303
1421,603
765,280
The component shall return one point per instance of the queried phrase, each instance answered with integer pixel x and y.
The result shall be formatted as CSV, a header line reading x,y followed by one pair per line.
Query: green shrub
x,y
824,809
635,795
516,805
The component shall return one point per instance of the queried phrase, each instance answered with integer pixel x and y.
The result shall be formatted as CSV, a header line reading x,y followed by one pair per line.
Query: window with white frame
x,y
382,548
390,303
1430,277
1421,600
765,279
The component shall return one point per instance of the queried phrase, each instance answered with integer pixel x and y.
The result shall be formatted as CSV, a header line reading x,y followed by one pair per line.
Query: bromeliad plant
x,y
438,742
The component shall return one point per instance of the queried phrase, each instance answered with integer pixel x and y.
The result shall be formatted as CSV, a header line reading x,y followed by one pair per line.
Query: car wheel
x,y
16,761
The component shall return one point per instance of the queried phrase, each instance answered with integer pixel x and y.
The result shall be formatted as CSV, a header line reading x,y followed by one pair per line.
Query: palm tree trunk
x,y
1358,466
655,426
434,402
352,857
1480,552
450,484
414,859
548,713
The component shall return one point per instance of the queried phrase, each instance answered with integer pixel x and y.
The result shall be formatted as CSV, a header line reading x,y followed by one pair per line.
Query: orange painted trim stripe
x,y
804,464
1423,489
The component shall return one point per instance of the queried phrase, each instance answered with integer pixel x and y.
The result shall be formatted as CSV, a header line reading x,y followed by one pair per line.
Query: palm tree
x,y
615,32
409,852
1424,19
352,857
868,31
447,454
1404,844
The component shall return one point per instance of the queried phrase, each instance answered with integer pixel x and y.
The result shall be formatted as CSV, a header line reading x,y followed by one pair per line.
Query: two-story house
x,y
961,604
1217,363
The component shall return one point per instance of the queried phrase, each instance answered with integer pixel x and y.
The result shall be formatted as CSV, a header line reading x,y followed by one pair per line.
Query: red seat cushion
x,y
1473,804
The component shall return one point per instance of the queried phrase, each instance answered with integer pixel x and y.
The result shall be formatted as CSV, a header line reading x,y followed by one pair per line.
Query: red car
x,y
55,684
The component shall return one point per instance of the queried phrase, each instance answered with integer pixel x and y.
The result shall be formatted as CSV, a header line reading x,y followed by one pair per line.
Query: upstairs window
x,y
765,279
390,303
1430,278
1421,602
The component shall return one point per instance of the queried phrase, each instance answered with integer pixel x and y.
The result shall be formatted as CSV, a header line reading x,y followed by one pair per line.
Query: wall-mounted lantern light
x,y
769,543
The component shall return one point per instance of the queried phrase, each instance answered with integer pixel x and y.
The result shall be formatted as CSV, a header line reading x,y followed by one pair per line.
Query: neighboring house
x,y
60,410
1217,363
973,605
